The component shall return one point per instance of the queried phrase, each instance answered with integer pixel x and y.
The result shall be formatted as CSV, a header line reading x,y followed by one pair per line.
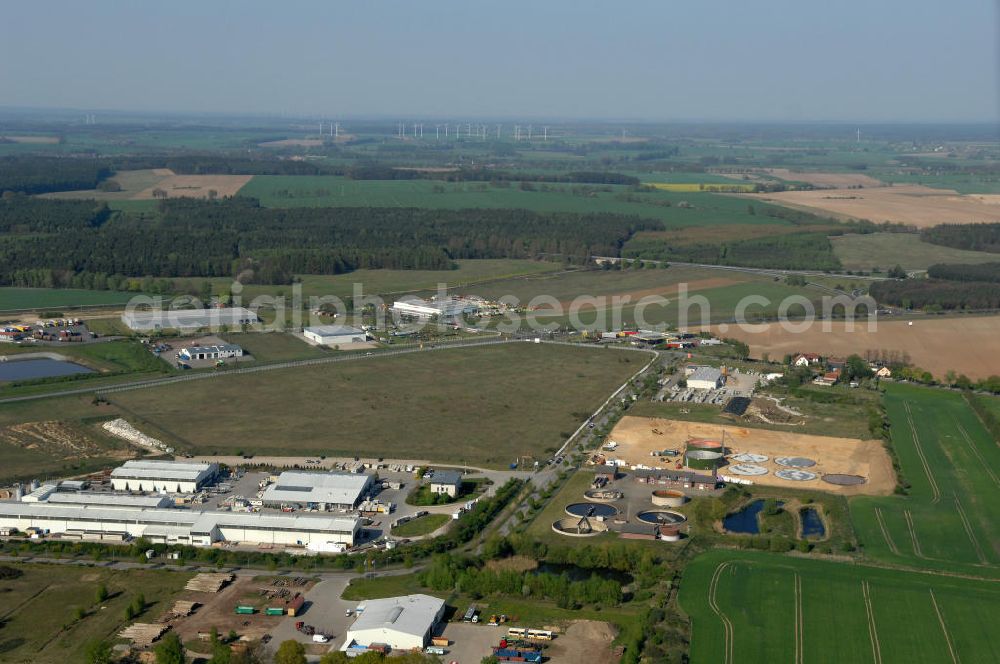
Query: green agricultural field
x,y
723,290
387,282
951,518
333,191
884,250
18,299
756,607
415,406
40,621
963,183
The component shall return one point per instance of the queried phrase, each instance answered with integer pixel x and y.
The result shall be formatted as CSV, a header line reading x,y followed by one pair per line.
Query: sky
x,y
658,60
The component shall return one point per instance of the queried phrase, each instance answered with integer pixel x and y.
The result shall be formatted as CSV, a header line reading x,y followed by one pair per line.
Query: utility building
x,y
216,352
446,481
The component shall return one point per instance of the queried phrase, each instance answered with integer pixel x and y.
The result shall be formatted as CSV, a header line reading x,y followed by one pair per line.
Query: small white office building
x,y
215,352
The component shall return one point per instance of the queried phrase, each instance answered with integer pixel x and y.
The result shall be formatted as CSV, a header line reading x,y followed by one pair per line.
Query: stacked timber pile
x,y
180,609
208,583
143,634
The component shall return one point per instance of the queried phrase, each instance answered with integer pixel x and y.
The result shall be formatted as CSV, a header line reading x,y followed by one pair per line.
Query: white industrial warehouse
x,y
163,476
443,309
323,490
705,378
402,623
104,522
335,335
188,319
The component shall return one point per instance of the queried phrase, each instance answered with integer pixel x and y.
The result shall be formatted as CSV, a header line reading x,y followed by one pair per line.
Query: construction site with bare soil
x,y
845,466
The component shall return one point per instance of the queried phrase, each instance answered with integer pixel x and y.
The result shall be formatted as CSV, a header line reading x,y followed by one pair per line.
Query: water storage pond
x,y
812,523
745,521
38,367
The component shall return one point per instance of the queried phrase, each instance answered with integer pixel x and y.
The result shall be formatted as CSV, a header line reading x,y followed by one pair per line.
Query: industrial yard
x,y
638,437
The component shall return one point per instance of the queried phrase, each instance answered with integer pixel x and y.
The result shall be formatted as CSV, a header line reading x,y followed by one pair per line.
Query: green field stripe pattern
x,y
950,520
787,609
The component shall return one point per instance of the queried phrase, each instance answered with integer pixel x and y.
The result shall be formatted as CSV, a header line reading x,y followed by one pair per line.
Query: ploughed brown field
x,y
967,345
914,205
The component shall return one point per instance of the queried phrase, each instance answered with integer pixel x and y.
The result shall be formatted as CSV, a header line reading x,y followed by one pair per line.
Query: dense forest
x,y
82,243
973,237
39,175
961,272
937,294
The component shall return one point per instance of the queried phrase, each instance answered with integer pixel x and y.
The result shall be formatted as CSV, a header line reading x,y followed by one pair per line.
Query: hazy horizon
x,y
719,62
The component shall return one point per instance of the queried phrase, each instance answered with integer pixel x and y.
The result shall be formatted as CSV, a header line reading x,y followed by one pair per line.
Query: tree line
x,y
971,237
795,251
937,294
983,272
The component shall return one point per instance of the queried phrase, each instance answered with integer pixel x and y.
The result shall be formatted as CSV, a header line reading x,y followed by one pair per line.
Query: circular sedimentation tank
x,y
668,498
591,510
795,475
603,495
795,462
702,459
749,457
749,469
843,480
573,526
661,517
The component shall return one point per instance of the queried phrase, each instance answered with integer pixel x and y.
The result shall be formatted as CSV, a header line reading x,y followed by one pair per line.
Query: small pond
x,y
812,524
577,573
746,520
39,368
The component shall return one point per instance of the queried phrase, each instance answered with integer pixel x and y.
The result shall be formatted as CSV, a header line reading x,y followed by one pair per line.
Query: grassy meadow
x,y
415,406
40,619
884,250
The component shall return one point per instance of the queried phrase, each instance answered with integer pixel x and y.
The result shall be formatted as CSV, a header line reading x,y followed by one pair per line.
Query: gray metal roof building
x,y
400,622
332,489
